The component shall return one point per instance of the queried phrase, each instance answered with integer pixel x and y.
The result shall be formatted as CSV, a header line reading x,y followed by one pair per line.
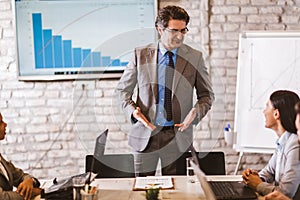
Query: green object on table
x,y
152,193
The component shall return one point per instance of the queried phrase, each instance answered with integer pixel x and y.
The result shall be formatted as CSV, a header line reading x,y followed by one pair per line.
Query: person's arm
x,y
205,96
290,176
204,91
259,181
125,90
12,195
188,120
268,172
267,176
251,178
9,195
276,196
290,173
137,114
27,188
23,181
246,173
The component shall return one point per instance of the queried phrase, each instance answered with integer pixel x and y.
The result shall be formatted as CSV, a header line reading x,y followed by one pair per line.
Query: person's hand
x,y
247,173
141,118
25,188
36,191
187,121
251,178
276,196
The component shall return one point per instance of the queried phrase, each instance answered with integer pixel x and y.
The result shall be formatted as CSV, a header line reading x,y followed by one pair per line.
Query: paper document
x,y
164,182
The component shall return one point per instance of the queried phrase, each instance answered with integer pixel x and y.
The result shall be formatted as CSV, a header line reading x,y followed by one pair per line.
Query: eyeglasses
x,y
175,31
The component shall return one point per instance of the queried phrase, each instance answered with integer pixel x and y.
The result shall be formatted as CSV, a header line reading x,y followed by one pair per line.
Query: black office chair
x,y
111,165
211,163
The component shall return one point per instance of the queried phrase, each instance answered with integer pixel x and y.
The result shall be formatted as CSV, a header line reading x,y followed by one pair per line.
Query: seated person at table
x,y
282,173
277,195
10,176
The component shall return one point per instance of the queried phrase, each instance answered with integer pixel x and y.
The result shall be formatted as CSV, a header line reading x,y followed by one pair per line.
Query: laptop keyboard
x,y
221,188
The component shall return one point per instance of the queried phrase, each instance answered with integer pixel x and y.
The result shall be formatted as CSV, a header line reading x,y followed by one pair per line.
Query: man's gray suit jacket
x,y
16,176
190,72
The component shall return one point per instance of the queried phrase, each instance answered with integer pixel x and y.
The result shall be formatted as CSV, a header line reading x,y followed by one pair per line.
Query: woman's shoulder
x,y
292,142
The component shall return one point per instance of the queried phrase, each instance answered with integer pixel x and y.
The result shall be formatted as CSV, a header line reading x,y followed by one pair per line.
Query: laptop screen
x,y
100,145
217,189
203,182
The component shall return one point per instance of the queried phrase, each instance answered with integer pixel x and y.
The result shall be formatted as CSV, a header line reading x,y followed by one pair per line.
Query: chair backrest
x,y
111,165
211,163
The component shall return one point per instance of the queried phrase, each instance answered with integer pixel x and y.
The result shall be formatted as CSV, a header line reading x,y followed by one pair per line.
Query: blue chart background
x,y
103,33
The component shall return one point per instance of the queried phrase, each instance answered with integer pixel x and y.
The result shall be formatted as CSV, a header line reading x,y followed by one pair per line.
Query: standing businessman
x,y
165,74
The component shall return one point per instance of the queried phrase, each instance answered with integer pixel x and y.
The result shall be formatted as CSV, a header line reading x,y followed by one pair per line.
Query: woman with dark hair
x,y
10,176
282,173
278,195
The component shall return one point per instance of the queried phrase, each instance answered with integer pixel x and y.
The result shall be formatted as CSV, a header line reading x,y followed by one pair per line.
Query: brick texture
x,y
52,125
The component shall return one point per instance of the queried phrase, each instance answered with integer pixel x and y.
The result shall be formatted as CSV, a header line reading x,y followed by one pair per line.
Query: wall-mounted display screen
x,y
80,39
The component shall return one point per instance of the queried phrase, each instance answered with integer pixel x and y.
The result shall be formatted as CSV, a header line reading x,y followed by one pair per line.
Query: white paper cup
x,y
228,136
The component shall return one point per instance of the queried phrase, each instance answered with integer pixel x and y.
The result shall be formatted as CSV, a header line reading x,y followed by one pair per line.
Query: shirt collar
x,y
163,50
282,140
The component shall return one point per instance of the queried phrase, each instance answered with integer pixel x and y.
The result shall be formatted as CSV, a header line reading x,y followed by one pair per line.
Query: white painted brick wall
x,y
272,16
46,138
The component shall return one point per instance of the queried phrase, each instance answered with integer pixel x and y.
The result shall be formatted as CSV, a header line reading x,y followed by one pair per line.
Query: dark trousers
x,y
162,145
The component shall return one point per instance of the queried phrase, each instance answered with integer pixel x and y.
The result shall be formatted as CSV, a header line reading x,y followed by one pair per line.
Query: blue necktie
x,y
168,86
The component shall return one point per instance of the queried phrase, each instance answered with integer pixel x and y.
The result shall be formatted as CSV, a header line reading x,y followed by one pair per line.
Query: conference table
x,y
185,188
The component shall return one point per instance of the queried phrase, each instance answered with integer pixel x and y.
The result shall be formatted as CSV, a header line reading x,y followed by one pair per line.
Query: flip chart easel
x,y
267,61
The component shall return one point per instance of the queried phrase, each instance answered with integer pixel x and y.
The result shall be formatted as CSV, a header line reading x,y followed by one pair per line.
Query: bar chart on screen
x,y
51,51
76,36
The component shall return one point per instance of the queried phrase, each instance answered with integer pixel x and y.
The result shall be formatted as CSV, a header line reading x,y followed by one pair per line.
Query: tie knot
x,y
170,54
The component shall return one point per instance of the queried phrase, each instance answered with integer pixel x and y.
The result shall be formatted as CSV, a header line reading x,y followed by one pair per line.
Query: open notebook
x,y
221,190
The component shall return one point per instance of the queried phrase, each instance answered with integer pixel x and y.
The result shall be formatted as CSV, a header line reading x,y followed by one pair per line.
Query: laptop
x,y
100,145
99,150
221,190
63,188
109,165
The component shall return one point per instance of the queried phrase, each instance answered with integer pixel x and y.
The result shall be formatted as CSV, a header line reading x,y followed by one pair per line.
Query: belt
x,y
164,128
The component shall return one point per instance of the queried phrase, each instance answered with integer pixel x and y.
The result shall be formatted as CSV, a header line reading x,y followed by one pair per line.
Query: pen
x,y
93,190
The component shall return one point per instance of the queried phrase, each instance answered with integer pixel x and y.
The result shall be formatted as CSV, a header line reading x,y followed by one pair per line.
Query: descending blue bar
x,y
77,57
38,40
52,51
86,58
47,33
124,63
57,39
96,56
105,60
116,62
67,45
